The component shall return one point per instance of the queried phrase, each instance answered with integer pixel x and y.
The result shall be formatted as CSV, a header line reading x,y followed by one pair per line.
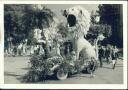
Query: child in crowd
x,y
92,66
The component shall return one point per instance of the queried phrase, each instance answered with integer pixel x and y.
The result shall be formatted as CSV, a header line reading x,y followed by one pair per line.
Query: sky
x,y
56,8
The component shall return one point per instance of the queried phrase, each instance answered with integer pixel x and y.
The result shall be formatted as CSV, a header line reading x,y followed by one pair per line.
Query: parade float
x,y
62,60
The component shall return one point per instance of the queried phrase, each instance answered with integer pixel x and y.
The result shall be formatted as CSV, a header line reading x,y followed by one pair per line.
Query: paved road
x,y
16,67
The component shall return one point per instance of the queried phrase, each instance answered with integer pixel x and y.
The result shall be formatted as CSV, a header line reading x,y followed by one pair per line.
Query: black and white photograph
x,y
64,44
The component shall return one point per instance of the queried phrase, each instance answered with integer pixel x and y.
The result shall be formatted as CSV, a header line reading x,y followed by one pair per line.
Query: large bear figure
x,y
78,19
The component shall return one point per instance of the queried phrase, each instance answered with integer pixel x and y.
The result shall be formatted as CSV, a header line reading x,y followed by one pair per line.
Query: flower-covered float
x,y
67,55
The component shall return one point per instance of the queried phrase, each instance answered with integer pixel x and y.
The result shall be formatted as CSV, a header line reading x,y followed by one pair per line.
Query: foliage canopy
x,y
20,20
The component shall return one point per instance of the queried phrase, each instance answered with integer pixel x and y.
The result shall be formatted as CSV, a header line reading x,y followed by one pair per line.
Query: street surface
x,y
16,67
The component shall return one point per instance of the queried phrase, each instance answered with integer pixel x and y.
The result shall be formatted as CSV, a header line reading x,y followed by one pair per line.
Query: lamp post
x,y
10,44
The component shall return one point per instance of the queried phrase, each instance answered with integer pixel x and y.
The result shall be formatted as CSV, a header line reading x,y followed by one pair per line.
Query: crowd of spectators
x,y
108,54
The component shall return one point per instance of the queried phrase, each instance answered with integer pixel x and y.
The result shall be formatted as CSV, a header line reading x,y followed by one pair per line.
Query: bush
x,y
40,67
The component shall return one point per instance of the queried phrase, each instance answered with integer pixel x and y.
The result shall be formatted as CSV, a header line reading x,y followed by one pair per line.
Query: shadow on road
x,y
26,69
11,74
106,67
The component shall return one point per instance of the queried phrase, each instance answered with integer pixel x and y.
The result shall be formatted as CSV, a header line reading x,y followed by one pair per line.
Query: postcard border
x,y
64,86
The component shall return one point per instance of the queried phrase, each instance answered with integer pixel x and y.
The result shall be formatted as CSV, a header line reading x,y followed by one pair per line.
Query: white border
x,y
64,86
1,45
63,2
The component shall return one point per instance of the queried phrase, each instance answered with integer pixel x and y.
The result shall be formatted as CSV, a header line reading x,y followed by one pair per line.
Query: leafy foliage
x,y
40,67
13,23
20,20
98,29
111,14
62,29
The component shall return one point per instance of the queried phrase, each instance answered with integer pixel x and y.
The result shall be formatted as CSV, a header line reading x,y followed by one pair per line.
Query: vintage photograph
x,y
63,44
